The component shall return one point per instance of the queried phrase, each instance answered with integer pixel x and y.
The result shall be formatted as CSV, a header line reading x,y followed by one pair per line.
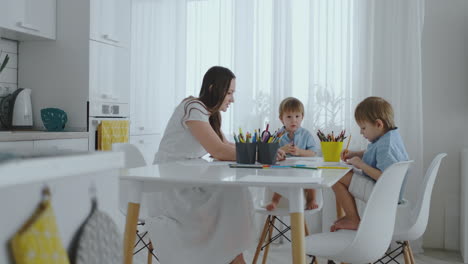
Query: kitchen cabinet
x,y
30,147
27,19
148,146
145,111
110,22
74,145
77,72
108,73
18,147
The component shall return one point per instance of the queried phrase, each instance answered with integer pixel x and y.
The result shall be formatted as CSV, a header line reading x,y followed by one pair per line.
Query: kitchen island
x,y
73,180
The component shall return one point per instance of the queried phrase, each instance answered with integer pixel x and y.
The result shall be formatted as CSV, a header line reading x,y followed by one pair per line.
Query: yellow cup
x,y
331,151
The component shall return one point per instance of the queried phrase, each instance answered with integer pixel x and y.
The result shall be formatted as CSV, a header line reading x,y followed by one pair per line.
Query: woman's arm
x,y
227,141
204,133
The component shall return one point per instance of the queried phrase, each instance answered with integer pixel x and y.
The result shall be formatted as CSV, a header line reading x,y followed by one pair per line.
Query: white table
x,y
202,173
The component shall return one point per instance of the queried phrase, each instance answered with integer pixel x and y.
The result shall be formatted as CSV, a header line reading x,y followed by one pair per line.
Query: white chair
x,y
133,159
133,156
412,222
269,227
374,234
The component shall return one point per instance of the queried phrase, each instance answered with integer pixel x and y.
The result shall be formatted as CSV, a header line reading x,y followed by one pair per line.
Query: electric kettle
x,y
16,110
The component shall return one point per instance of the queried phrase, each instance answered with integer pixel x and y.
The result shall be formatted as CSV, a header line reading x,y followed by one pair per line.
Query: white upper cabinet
x,y
145,111
28,18
108,73
110,22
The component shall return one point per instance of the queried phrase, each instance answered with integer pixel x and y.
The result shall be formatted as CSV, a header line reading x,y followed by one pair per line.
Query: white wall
x,y
445,105
9,75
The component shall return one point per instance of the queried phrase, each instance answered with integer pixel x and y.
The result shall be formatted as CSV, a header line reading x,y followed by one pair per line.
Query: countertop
x,y
40,169
28,135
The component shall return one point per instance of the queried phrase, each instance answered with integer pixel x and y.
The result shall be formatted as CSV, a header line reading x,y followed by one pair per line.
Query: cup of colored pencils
x,y
331,145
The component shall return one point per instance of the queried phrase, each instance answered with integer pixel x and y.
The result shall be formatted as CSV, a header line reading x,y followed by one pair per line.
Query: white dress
x,y
209,224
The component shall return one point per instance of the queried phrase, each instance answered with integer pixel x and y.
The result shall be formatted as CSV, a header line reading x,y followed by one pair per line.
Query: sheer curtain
x,y
330,54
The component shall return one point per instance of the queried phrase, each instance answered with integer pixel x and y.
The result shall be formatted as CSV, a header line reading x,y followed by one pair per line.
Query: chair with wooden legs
x,y
412,222
275,217
134,159
374,234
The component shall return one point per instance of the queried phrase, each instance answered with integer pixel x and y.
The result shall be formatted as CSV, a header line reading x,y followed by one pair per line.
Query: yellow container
x,y
331,151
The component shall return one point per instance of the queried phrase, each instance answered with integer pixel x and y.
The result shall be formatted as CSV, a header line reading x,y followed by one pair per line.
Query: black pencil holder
x,y
246,152
267,152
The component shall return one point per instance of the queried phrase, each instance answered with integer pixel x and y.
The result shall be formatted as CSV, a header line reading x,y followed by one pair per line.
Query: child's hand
x,y
355,161
285,148
294,150
346,154
280,155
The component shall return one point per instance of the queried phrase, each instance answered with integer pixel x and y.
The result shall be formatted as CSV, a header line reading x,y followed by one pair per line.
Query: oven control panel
x,y
109,110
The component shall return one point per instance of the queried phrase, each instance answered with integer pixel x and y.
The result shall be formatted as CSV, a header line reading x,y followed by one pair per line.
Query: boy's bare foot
x,y
272,206
312,204
345,223
339,219
238,260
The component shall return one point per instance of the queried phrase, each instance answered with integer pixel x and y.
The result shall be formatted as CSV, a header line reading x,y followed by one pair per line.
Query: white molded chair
x,y
269,227
133,156
133,159
372,238
412,222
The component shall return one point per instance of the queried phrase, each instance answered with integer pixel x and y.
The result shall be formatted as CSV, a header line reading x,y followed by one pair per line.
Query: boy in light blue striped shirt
x,y
374,116
297,141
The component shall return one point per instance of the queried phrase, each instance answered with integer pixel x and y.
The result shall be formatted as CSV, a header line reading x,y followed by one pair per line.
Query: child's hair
x,y
373,108
291,104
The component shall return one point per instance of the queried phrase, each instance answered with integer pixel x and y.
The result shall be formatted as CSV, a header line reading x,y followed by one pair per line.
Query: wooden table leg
x,y
133,209
297,238
296,211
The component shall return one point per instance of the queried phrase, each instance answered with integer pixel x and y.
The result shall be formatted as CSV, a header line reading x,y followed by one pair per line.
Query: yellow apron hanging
x,y
38,240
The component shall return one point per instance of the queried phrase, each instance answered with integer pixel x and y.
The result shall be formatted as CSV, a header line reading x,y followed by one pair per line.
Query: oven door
x,y
93,130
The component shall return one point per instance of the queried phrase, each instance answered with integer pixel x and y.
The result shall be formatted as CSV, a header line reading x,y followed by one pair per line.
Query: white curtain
x,y
330,54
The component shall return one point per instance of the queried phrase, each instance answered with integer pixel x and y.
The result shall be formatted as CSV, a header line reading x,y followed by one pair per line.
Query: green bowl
x,y
54,119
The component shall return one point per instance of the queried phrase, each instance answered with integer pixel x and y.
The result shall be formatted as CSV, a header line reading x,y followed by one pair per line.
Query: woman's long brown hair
x,y
214,89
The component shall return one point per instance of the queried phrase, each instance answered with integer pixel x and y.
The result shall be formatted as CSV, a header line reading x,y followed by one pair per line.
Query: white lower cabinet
x,y
75,145
17,147
44,146
148,145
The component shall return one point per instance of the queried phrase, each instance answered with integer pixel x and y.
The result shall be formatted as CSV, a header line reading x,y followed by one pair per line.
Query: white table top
x,y
202,172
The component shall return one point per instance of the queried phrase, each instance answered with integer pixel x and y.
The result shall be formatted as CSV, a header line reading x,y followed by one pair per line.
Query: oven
x,y
99,111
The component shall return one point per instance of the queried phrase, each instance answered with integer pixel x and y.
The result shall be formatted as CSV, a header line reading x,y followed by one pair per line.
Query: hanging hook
x,y
46,194
93,195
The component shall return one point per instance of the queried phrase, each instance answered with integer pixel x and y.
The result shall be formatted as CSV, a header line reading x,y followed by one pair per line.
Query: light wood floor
x,y
281,254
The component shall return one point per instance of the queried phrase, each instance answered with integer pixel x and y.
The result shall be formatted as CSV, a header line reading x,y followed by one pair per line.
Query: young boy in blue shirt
x,y
297,141
374,116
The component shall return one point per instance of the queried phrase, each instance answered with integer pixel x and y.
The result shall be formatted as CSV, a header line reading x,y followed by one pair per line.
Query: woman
x,y
208,224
